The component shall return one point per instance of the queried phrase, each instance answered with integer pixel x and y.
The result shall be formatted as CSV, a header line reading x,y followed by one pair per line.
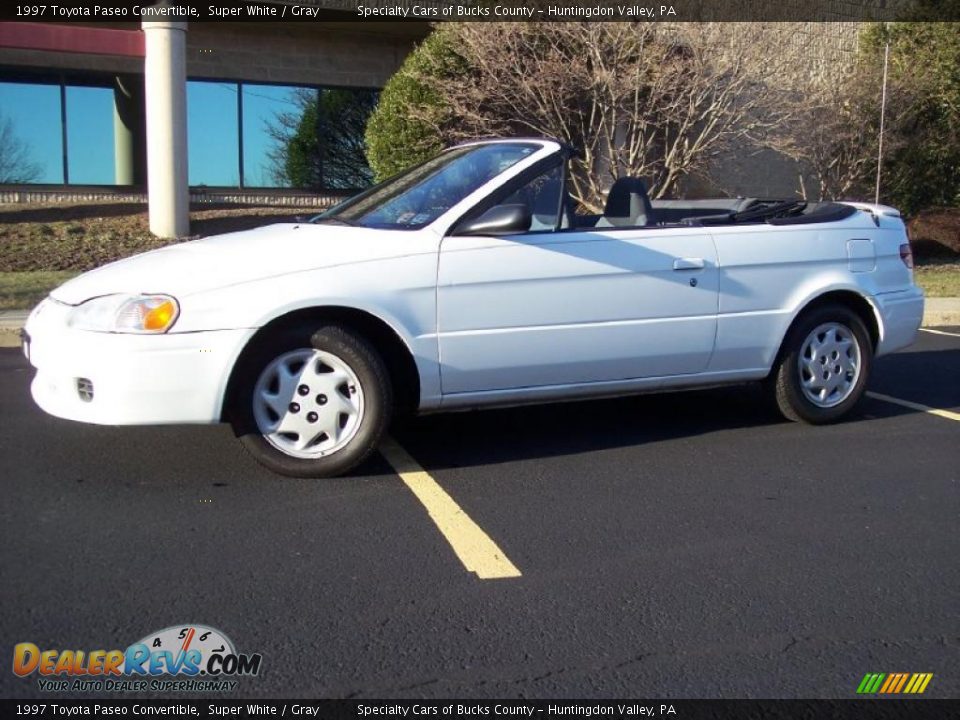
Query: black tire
x,y
784,383
370,371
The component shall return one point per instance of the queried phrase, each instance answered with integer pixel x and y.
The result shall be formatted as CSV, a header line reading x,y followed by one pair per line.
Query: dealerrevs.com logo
x,y
181,658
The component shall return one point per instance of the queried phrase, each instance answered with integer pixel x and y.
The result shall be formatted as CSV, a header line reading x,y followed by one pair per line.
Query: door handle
x,y
689,264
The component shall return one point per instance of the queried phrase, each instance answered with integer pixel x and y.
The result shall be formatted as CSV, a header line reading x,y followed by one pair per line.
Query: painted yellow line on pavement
x,y
473,546
940,332
949,415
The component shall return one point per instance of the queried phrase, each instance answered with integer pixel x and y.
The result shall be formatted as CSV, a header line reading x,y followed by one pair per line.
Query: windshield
x,y
420,195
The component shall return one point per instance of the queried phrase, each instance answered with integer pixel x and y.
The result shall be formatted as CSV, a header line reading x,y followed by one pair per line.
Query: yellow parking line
x,y
473,546
916,406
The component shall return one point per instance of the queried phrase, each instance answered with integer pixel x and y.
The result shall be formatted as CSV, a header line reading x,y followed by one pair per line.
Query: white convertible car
x,y
467,282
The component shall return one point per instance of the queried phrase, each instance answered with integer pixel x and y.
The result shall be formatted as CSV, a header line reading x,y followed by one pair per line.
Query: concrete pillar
x,y
165,83
129,134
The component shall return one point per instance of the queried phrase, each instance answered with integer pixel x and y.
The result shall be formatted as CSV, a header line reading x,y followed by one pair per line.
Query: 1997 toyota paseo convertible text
x,y
469,281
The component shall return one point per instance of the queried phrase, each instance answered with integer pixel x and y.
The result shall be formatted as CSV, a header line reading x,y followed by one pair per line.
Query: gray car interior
x,y
628,205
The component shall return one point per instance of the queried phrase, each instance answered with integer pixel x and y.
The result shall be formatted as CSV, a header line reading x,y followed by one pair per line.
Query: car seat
x,y
628,205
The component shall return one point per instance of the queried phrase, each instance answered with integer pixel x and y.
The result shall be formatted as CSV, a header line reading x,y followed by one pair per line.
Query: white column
x,y
124,132
165,85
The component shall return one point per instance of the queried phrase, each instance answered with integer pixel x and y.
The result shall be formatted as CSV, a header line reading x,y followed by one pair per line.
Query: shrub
x,y
401,130
922,168
935,232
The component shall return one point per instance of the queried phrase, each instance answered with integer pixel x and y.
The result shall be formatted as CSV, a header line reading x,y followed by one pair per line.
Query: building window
x,y
213,134
268,110
343,124
90,135
318,144
31,133
88,131
278,136
57,132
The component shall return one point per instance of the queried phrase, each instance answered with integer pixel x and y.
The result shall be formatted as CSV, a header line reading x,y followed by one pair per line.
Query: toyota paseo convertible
x,y
470,281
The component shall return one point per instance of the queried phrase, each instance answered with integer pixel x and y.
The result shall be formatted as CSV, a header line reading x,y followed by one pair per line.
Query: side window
x,y
542,196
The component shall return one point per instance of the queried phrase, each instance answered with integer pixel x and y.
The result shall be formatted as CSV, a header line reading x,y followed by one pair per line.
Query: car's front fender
x,y
400,292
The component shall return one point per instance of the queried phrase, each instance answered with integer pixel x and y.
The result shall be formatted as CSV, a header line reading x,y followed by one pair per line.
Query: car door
x,y
565,306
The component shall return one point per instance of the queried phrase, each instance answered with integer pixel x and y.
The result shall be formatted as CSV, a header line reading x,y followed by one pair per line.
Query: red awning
x,y
71,38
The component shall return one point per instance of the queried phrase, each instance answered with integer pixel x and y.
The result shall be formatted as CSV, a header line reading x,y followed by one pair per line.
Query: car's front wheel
x,y
823,368
312,404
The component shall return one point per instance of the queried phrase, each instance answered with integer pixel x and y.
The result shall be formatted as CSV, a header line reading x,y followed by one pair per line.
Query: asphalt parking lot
x,y
675,546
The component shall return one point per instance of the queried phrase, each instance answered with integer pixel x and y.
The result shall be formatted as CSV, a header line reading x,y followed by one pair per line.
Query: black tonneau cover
x,y
739,211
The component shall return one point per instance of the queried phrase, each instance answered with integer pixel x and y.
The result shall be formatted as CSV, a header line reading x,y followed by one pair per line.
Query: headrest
x,y
628,202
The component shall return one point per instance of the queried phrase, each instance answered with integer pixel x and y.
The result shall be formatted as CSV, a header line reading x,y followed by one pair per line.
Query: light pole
x,y
883,113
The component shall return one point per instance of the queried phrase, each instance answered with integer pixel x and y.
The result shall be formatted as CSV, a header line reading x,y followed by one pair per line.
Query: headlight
x,y
126,314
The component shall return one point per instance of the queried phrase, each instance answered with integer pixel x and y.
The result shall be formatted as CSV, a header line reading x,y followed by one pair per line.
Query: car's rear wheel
x,y
824,366
312,404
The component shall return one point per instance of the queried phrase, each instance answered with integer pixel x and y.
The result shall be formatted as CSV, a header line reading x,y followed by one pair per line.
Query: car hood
x,y
234,258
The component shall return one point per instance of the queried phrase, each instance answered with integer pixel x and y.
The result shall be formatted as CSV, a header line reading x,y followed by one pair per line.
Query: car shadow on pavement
x,y
541,431
930,377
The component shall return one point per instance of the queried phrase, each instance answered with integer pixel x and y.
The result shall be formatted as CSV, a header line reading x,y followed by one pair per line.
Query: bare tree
x,y
15,163
834,128
651,100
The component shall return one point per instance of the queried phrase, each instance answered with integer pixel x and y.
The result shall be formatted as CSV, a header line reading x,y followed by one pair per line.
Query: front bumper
x,y
125,379
901,314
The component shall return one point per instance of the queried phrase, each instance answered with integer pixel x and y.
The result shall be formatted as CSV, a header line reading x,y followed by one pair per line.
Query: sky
x,y
212,130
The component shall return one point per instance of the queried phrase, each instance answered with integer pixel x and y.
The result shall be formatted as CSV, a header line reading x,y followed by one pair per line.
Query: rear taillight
x,y
906,254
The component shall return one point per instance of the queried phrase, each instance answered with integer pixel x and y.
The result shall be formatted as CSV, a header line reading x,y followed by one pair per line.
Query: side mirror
x,y
499,220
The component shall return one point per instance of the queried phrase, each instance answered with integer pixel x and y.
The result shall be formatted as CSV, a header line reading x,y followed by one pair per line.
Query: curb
x,y
9,338
10,323
942,319
13,319
941,311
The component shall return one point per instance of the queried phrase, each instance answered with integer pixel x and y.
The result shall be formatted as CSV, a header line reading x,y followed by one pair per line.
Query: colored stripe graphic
x,y
903,679
866,686
894,683
919,683
891,683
